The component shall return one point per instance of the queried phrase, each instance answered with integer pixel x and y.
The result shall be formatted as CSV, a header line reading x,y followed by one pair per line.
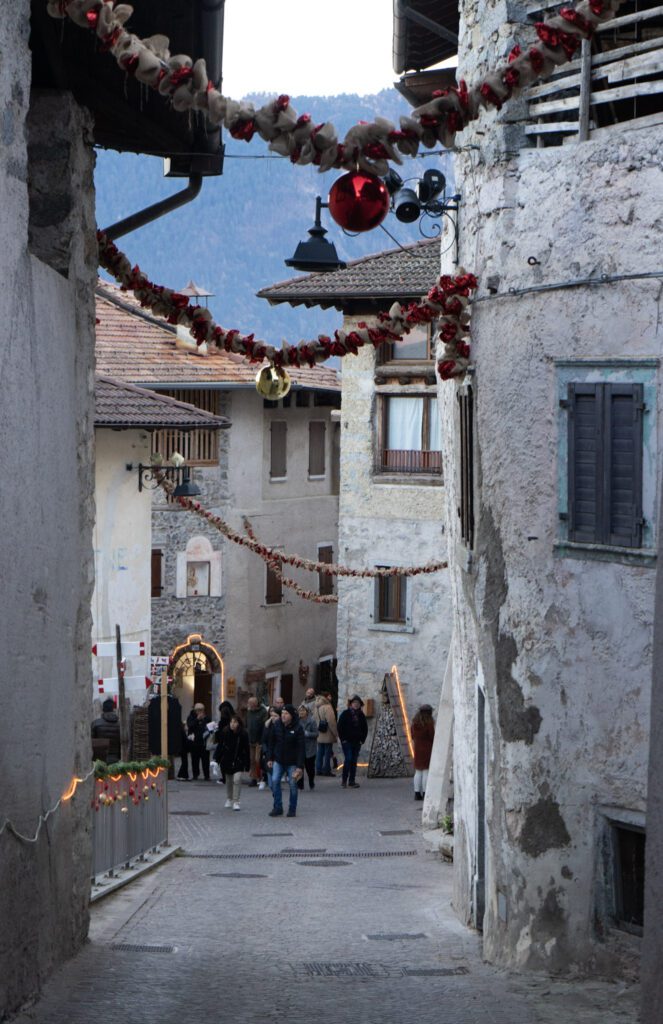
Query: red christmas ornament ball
x,y
358,201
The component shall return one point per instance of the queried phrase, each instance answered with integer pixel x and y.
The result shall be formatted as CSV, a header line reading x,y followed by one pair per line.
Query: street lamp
x,y
317,253
425,200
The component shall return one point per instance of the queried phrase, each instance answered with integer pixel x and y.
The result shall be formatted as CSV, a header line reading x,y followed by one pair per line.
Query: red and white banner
x,y
130,649
110,687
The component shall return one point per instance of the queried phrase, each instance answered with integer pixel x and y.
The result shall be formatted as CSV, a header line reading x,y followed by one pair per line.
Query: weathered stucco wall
x,y
399,523
46,353
295,514
122,540
561,647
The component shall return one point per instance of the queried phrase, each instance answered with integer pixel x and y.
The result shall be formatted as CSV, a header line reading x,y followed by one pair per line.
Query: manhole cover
x,y
191,814
433,972
397,832
324,862
235,874
396,936
128,947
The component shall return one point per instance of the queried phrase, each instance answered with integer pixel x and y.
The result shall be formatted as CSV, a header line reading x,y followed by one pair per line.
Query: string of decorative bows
x,y
367,146
274,565
270,554
446,302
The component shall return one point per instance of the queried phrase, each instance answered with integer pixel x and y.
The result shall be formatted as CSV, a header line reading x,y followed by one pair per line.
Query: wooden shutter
x,y
605,464
466,440
273,588
316,448
278,463
325,582
157,567
392,598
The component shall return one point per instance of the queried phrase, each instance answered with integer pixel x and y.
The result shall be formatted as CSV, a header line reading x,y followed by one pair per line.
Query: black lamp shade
x,y
315,254
186,488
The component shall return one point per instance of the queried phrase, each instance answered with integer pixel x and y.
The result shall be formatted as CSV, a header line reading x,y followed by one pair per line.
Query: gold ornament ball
x,y
272,383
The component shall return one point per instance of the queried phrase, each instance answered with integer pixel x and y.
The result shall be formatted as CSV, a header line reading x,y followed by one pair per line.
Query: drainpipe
x,y
156,210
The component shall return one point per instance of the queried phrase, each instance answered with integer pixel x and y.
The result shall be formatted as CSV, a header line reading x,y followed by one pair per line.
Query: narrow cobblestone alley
x,y
338,915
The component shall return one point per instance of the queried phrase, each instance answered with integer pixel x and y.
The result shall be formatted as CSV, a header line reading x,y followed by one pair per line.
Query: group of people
x,y
279,742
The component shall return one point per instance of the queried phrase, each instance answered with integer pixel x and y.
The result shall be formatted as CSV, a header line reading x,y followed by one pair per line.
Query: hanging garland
x,y
275,565
368,147
269,554
446,302
128,781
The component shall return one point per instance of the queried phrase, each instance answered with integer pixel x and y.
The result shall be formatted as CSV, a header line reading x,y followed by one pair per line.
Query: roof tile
x,y
117,404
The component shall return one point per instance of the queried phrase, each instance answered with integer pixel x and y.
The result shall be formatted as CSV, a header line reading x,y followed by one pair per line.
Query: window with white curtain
x,y
410,436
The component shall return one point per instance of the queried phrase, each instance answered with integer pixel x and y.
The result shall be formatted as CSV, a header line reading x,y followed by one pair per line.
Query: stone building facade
x,y
553,443
392,482
277,467
47,247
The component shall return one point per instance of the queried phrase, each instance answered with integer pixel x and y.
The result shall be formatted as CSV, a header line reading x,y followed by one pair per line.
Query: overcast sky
x,y
313,47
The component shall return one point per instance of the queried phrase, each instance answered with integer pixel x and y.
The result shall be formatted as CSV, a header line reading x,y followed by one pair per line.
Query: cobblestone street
x,y
338,915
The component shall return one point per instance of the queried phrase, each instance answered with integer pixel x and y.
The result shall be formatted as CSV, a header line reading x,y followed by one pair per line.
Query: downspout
x,y
156,210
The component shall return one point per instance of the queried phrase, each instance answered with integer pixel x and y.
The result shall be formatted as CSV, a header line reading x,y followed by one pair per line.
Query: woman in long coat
x,y
423,734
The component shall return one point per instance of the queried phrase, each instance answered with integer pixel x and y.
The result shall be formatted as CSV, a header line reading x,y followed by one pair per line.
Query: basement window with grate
x,y
628,846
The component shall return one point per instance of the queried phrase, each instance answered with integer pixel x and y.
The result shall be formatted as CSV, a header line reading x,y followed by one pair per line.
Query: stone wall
x,y
46,361
386,523
558,647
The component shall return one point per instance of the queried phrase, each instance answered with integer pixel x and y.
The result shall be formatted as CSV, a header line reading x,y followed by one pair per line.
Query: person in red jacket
x,y
423,734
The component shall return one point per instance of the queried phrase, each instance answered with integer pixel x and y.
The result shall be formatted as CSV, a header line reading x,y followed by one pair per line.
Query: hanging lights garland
x,y
446,303
368,147
275,565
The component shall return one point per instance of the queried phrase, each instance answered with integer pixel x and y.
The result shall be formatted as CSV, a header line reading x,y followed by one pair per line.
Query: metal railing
x,y
132,824
393,460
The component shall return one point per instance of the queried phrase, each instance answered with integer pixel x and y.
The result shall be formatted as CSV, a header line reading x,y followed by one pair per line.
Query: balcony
x,y
393,460
616,81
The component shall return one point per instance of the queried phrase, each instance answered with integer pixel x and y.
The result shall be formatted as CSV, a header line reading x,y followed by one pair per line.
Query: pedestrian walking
x,y
197,733
285,757
423,734
256,716
327,733
352,731
233,757
310,727
309,701
273,716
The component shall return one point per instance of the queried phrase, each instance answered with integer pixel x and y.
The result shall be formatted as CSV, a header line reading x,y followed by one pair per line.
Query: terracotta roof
x,y
134,346
406,273
121,405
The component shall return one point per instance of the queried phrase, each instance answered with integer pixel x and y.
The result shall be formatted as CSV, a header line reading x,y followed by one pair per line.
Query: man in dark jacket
x,y
352,732
256,716
285,756
108,728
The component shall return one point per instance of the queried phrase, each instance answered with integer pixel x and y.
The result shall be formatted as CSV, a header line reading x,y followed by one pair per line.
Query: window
x,y
316,448
273,587
157,572
302,399
629,862
466,482
325,582
410,435
197,579
414,348
391,599
605,464
199,447
278,449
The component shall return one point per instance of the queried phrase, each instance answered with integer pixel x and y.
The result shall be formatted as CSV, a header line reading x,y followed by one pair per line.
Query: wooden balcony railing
x,y
620,83
393,460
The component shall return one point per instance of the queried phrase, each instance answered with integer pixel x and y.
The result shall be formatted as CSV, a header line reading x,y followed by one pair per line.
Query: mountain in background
x,y
234,237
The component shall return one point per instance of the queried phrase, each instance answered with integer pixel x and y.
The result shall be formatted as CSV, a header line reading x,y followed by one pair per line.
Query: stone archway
x,y
206,668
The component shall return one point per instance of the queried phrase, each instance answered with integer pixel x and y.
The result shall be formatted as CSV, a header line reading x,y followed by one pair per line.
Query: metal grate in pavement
x,y
434,972
312,850
396,832
364,854
235,874
344,969
325,862
129,947
192,814
396,936
270,835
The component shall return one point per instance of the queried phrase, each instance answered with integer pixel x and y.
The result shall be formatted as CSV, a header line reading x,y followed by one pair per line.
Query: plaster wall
x,y
386,523
122,542
561,646
296,515
46,563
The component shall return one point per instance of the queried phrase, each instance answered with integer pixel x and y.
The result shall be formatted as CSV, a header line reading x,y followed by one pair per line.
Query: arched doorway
x,y
197,673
